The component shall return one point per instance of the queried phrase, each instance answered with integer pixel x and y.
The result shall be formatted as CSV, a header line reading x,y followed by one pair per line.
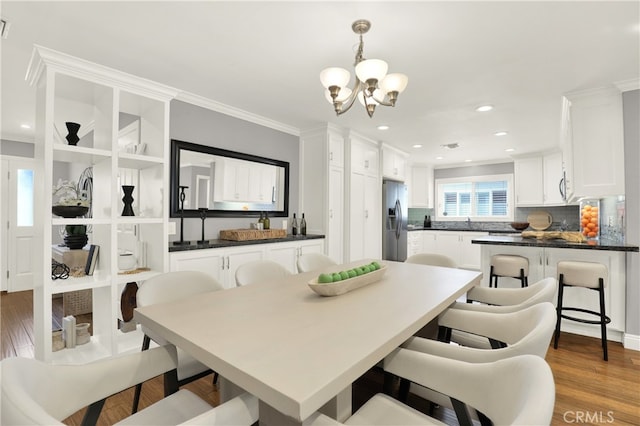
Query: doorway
x,y
17,219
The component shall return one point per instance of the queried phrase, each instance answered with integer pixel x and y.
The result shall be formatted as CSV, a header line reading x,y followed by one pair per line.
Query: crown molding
x,y
201,101
627,85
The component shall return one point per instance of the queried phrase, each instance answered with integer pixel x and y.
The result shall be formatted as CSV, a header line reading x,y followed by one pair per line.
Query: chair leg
x,y
444,334
523,279
603,321
403,390
146,341
215,378
491,277
388,383
556,336
171,382
93,413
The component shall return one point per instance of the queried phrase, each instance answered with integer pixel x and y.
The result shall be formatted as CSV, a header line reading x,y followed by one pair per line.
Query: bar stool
x,y
508,265
592,276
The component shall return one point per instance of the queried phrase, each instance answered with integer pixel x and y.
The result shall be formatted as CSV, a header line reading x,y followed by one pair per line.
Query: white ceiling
x,y
265,57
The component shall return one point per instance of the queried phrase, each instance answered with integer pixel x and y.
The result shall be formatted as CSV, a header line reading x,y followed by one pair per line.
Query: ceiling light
x,y
439,158
383,127
25,126
467,161
417,145
373,85
501,133
484,108
509,150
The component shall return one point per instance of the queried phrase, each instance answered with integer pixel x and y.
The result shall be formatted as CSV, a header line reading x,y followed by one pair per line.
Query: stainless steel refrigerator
x,y
394,224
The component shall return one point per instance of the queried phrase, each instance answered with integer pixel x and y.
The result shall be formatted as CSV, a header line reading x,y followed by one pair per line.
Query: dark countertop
x,y
532,242
463,229
228,243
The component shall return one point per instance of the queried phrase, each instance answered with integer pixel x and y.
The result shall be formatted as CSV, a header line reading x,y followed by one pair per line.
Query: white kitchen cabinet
x,y
287,253
394,163
539,180
96,97
322,186
593,143
222,263
421,187
543,263
262,183
414,243
364,200
456,245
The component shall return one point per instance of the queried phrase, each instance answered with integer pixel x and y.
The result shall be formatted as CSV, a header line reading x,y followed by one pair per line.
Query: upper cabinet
x,y
539,180
593,143
394,163
421,187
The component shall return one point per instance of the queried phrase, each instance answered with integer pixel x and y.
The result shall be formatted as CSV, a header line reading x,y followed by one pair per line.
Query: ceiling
x,y
264,58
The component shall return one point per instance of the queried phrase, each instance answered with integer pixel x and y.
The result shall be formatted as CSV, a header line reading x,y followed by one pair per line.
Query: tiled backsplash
x,y
565,218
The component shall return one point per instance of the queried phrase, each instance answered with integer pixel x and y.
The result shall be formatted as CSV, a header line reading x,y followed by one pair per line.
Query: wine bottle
x,y
267,222
303,226
294,225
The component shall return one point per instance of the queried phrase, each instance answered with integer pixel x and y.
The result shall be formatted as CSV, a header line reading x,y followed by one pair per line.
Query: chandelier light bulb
x,y
371,69
343,95
394,82
334,76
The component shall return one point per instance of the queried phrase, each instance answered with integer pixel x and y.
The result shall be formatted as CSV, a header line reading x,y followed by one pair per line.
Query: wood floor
x,y
589,391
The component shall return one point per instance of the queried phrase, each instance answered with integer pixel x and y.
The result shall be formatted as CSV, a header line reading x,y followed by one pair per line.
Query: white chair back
x,y
259,270
313,261
503,300
172,286
433,259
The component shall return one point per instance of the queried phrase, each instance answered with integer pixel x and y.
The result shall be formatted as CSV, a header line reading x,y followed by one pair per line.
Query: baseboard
x,y
631,341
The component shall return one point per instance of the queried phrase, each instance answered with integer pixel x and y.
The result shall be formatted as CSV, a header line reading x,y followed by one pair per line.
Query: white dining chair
x,y
38,393
259,270
313,261
512,391
526,332
433,259
169,287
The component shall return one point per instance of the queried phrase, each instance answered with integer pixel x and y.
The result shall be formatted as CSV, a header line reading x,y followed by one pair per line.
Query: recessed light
x,y
25,126
467,161
484,108
417,145
501,133
383,127
439,158
509,150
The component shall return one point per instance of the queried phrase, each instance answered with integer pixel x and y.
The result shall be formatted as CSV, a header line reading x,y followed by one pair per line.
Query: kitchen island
x,y
544,256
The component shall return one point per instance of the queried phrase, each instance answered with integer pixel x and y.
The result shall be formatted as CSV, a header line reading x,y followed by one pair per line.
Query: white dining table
x,y
299,352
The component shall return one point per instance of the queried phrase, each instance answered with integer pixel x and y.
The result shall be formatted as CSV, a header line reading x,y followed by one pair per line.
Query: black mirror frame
x,y
174,207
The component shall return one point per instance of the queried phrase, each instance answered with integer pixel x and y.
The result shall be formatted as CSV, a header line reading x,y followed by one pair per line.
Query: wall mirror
x,y
226,183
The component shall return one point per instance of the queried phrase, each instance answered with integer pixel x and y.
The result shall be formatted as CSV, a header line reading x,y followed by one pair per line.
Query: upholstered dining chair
x,y
259,270
526,332
313,261
38,393
169,287
512,391
433,259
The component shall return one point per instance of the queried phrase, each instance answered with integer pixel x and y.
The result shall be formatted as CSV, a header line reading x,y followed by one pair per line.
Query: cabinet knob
x,y
366,164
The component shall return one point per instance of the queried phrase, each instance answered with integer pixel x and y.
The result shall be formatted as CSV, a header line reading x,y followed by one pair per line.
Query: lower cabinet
x,y
221,263
456,245
543,262
414,243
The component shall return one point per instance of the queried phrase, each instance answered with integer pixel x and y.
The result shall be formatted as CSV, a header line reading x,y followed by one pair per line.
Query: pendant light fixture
x,y
373,85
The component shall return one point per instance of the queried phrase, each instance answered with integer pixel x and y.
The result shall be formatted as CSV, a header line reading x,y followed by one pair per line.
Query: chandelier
x,y
373,86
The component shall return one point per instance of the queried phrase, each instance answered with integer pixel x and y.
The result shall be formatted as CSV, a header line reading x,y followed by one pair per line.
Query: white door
x,y
335,237
19,244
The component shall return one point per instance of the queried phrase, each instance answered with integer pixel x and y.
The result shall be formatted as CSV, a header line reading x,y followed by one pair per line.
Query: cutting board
x,y
539,220
572,237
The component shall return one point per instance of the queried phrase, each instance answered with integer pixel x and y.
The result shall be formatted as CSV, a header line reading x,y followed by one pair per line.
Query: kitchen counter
x,y
217,243
463,229
533,242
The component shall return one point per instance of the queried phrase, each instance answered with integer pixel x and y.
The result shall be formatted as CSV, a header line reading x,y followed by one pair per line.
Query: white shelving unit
x,y
71,89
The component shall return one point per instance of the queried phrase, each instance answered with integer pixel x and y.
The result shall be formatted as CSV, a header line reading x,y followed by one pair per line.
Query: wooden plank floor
x,y
589,391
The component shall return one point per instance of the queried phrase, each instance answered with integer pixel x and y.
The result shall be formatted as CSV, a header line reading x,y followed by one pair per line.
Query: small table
x,y
297,351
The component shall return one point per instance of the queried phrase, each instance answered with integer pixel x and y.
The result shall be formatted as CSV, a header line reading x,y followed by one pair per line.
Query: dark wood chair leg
x,y
146,341
556,336
603,320
403,390
388,383
93,413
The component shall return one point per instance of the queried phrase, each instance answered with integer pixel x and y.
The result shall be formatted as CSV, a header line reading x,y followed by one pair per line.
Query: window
x,y
24,204
477,197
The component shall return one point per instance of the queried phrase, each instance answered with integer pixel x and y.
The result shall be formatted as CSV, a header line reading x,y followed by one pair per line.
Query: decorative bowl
x,y
69,211
519,226
126,261
345,286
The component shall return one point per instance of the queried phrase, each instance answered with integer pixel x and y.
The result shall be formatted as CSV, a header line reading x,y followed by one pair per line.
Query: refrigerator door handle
x,y
399,219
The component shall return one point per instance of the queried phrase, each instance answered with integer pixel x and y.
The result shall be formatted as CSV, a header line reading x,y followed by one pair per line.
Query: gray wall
x,y
479,170
631,105
17,149
194,124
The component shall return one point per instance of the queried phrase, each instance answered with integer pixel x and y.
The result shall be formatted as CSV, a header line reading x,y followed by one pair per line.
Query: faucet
x,y
468,222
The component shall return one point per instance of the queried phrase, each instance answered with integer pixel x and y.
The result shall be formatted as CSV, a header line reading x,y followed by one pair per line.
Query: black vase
x,y
73,129
127,200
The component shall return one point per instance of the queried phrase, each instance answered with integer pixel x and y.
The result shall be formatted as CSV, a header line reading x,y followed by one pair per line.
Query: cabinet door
x,y
372,224
210,261
421,178
528,177
336,150
428,241
448,244
286,254
236,257
470,254
311,246
553,179
335,236
356,217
